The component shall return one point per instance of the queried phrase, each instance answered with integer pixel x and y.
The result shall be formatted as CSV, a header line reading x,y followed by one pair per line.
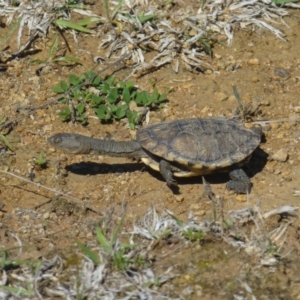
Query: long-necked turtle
x,y
181,148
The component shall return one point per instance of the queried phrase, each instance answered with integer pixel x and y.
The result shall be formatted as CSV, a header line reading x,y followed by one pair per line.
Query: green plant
x,y
280,2
7,264
191,233
41,161
108,98
115,252
3,138
53,57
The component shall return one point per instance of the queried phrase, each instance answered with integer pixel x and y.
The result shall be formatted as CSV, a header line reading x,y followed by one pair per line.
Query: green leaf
x,y
119,5
64,86
112,108
126,95
103,241
132,117
105,88
96,99
284,1
103,112
68,24
89,253
89,75
110,80
162,97
6,142
121,111
4,258
143,18
112,96
74,80
65,114
96,80
155,94
53,48
91,20
143,98
80,108
117,231
58,89
68,59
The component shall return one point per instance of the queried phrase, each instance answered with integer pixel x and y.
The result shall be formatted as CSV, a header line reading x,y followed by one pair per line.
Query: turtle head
x,y
70,143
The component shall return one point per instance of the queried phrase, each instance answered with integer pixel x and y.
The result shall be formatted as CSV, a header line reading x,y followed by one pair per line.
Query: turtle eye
x,y
57,140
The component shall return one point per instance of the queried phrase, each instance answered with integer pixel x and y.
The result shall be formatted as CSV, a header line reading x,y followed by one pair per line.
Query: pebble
x,y
281,74
280,155
241,198
179,198
274,125
46,216
220,96
253,61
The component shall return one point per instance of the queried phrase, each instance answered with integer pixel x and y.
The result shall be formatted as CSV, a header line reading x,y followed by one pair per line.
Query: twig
x,y
73,199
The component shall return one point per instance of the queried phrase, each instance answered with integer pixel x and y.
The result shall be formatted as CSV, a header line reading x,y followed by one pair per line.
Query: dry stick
x,y
73,199
8,123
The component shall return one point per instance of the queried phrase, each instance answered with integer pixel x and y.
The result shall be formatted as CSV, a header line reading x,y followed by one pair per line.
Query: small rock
x,y
220,96
293,119
296,109
253,61
280,155
281,74
179,198
241,198
46,216
274,125
255,79
195,206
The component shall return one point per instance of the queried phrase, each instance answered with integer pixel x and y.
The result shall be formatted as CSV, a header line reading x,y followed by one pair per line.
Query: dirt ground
x,y
265,71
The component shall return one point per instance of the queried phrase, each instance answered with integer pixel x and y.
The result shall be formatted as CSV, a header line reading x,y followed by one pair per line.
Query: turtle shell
x,y
199,145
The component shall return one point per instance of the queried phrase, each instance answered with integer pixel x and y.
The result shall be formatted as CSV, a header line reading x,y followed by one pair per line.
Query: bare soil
x,y
266,72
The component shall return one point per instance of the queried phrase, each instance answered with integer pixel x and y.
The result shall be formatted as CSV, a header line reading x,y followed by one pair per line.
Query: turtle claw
x,y
239,182
166,171
172,182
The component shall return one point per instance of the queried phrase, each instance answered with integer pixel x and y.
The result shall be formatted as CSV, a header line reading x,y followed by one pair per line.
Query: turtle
x,y
180,148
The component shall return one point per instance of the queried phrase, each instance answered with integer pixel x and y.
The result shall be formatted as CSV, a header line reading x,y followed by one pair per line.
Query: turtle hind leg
x,y
239,182
166,170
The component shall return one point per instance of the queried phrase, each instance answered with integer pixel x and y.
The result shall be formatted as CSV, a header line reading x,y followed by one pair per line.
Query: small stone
x,y
200,213
220,96
280,155
205,109
241,198
274,125
255,79
296,109
195,206
179,198
253,61
281,74
46,216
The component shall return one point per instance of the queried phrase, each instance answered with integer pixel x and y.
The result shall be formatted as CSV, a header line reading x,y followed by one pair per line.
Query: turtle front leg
x,y
239,182
165,169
